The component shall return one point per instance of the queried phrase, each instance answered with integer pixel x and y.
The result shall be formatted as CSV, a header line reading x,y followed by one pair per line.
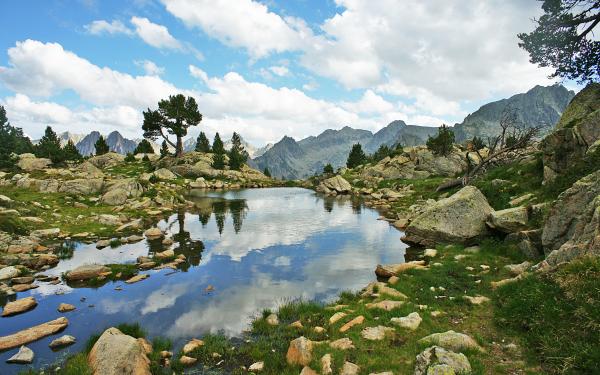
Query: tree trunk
x,y
179,147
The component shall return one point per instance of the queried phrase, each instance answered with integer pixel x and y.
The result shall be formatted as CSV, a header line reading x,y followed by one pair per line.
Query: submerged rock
x,y
116,353
23,356
32,334
19,306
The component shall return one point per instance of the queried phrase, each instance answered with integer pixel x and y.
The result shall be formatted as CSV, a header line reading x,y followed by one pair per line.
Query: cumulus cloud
x,y
154,34
441,53
150,68
99,27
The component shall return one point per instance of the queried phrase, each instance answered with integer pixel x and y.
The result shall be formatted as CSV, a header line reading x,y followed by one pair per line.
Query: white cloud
x,y
244,23
154,34
150,68
46,69
369,103
280,70
99,27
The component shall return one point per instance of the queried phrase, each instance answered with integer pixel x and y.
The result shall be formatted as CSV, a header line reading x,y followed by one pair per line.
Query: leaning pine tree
x,y
173,116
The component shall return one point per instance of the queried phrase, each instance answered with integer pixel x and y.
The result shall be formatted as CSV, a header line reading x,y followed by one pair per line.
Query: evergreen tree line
x,y
237,154
358,157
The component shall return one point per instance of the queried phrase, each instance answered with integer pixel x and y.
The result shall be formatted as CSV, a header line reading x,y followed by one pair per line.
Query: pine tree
x,y
267,172
219,153
70,152
328,168
49,147
164,150
202,143
144,147
101,146
442,143
356,157
12,140
237,155
129,158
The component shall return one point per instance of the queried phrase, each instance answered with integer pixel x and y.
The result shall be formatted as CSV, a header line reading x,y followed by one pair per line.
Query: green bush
x,y
129,158
441,144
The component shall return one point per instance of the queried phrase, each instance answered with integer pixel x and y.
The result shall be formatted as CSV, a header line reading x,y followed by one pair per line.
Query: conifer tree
x,y
202,143
356,157
12,140
101,146
164,149
267,172
49,146
442,143
70,152
219,153
328,168
144,147
237,155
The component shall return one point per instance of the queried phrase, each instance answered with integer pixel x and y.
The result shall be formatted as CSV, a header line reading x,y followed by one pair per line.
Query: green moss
x,y
556,315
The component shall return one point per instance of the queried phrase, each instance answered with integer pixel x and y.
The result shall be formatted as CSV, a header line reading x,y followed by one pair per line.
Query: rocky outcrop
x,y
418,162
32,334
107,160
28,162
436,360
335,185
510,220
459,218
118,354
119,191
84,186
577,130
572,228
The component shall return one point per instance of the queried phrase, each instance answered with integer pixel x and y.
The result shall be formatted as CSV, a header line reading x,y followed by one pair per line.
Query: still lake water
x,y
256,247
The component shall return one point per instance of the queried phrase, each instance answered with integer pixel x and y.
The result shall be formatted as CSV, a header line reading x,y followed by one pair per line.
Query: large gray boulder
x,y
116,353
577,130
82,186
28,162
572,228
107,160
510,220
119,191
459,218
337,184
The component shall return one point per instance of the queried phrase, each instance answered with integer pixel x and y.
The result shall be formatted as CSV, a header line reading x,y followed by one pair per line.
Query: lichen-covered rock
x,y
509,220
119,191
451,340
83,186
118,354
437,360
28,162
164,174
299,352
107,160
459,218
572,227
338,184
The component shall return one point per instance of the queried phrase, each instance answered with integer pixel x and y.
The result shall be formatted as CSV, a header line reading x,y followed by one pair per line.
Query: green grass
x,y
13,225
557,315
575,171
520,179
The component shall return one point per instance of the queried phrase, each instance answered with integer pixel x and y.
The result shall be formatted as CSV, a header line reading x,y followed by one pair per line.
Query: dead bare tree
x,y
513,136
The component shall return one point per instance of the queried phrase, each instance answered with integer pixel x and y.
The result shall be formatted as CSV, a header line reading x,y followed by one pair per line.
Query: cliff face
x,y
540,106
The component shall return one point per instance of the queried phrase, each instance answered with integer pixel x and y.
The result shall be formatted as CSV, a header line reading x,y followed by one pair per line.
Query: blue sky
x,y
265,69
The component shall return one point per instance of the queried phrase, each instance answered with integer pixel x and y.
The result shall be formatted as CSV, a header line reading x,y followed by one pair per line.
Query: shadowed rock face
x,y
572,228
459,218
577,132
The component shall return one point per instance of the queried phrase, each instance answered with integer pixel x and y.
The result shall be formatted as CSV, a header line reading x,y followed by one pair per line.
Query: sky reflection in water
x,y
258,248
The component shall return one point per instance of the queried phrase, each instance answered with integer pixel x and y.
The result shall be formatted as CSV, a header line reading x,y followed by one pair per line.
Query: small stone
x,y
336,317
326,364
375,333
65,307
319,329
342,344
308,371
296,324
451,340
393,280
411,321
209,288
430,253
62,341
356,321
192,345
187,361
22,280
9,272
23,356
153,233
350,368
386,305
299,352
102,244
257,366
166,354
137,278
477,300
272,320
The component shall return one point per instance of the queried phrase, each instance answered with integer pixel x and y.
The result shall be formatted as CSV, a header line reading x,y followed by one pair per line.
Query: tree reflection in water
x,y
220,207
